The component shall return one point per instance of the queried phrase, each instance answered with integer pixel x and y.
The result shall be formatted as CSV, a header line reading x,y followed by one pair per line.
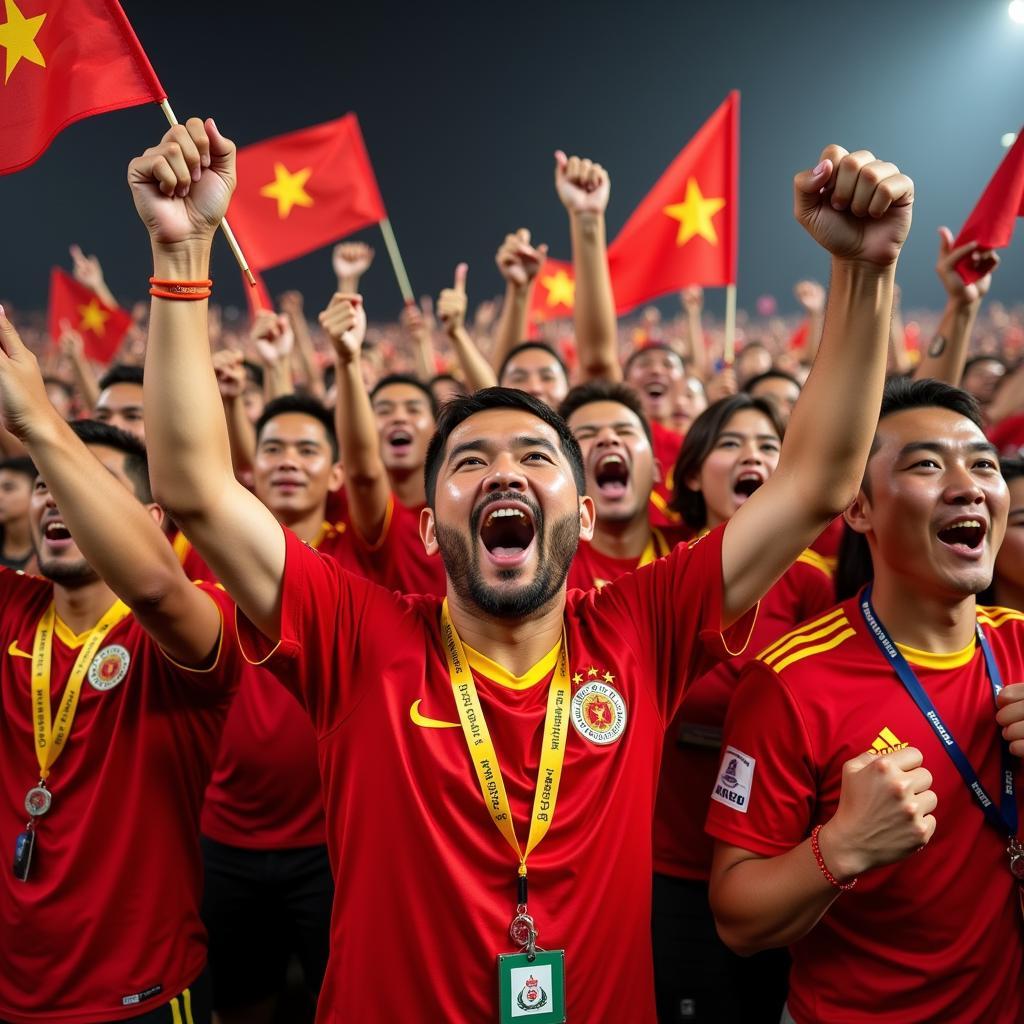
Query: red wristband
x,y
816,850
186,290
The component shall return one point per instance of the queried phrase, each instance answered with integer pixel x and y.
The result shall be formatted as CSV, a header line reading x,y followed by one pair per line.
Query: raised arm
x,y
419,325
584,187
946,354
181,189
87,270
858,209
229,366
118,535
366,478
519,262
73,348
451,311
350,261
811,297
274,340
692,300
291,306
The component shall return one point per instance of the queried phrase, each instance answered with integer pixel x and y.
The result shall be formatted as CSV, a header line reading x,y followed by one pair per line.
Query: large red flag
x,y
685,230
102,328
65,60
991,222
300,191
554,292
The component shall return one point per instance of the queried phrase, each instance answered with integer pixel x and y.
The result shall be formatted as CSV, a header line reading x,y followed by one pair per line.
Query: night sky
x,y
462,105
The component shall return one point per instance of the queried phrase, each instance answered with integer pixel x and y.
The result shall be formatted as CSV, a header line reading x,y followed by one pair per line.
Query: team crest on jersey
x,y
598,710
109,667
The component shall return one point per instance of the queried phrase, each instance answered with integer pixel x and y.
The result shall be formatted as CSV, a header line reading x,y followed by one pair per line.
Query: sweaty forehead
x,y
294,426
602,414
500,428
119,395
928,424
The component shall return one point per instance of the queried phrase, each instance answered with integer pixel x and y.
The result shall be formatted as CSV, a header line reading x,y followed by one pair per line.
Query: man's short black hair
x,y
121,373
652,346
771,375
136,462
21,464
605,391
525,346
253,372
306,405
854,568
460,409
975,360
413,382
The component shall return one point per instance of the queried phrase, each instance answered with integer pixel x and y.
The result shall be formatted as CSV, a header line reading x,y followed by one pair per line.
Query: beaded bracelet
x,y
816,850
185,290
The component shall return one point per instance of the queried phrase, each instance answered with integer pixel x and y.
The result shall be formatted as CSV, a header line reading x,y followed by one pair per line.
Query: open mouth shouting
x,y
965,536
611,473
746,483
507,532
56,535
399,441
655,389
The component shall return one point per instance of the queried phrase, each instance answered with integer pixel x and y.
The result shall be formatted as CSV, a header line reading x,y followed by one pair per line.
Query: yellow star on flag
x,y
18,38
94,318
694,215
288,189
561,289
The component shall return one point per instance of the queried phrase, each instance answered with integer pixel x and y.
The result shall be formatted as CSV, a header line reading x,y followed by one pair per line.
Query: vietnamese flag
x,y
101,327
685,230
991,222
300,191
554,292
63,60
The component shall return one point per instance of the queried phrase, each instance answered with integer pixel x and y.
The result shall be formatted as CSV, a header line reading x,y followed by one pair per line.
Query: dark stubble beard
x,y
462,563
67,574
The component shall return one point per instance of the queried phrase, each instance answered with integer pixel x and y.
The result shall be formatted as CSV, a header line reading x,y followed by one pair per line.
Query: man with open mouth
x,y
510,699
876,746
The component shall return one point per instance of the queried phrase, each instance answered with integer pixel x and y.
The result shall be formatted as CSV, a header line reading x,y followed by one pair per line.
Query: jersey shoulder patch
x,y
815,637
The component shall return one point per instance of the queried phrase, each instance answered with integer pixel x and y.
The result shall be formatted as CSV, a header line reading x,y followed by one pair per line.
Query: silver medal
x,y
37,801
1016,852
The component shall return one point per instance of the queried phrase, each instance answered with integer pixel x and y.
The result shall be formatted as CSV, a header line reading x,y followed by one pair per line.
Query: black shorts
x,y
697,978
260,907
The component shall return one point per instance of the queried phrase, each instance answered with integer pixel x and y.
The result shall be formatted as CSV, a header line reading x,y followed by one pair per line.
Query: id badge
x,y
532,990
24,846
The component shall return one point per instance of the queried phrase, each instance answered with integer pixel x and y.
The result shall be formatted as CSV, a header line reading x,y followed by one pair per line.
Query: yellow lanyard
x,y
649,555
484,756
52,735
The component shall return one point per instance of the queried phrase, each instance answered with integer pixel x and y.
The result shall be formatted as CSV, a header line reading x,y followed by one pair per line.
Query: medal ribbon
x,y
52,734
1005,819
484,756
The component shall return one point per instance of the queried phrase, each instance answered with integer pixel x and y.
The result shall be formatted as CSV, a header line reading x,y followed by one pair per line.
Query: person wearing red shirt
x,y
106,737
1007,589
731,450
846,828
509,693
608,422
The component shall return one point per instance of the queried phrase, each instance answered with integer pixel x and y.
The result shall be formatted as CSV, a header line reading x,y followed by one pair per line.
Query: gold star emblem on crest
x,y
577,679
591,672
288,189
608,678
18,38
561,288
94,318
694,215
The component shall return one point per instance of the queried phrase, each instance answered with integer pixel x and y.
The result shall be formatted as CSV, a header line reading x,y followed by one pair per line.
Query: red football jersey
x,y
428,884
107,924
265,790
665,444
1008,435
937,936
693,743
590,568
827,542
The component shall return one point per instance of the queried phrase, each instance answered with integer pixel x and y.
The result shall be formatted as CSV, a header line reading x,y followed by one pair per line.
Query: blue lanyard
x,y
1005,819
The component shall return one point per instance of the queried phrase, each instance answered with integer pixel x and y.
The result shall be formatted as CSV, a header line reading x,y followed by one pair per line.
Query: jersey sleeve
x,y
672,608
336,629
764,795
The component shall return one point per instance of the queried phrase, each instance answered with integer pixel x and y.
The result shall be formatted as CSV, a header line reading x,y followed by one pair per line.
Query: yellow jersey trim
x,y
492,670
807,633
929,659
75,640
806,652
662,506
991,615
181,545
809,557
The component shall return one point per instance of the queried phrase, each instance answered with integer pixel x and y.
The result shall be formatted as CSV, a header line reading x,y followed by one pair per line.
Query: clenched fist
x,y
518,260
582,185
344,321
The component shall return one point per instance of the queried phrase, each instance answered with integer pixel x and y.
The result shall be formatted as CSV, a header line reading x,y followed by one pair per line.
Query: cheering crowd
x,y
435,674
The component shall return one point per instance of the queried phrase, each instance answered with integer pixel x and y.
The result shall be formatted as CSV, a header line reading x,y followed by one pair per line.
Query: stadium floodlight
x,y
1008,140
1016,11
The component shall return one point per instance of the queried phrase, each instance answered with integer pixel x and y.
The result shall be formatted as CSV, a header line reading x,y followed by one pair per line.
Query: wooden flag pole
x,y
730,324
228,233
396,261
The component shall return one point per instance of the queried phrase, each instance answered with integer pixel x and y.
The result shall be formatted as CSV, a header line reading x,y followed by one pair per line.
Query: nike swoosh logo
x,y
15,653
428,723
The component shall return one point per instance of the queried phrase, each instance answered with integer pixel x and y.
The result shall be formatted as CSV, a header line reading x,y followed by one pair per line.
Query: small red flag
x,y
300,191
102,328
685,230
554,292
991,222
64,61
257,296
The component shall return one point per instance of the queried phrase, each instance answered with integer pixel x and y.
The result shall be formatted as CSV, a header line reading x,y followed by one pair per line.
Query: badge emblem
x,y
109,667
532,996
599,712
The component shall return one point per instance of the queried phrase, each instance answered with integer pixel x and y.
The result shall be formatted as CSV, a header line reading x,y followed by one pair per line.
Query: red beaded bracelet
x,y
186,290
816,850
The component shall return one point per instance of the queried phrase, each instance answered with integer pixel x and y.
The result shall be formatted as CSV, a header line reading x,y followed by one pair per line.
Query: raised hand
x,y
518,260
451,304
272,336
854,206
351,259
692,298
86,269
1010,716
228,365
70,341
582,185
344,321
984,260
181,187
24,403
291,303
485,315
885,812
811,297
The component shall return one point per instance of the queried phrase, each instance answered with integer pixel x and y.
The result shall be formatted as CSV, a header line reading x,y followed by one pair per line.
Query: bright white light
x,y
1016,11
1008,139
